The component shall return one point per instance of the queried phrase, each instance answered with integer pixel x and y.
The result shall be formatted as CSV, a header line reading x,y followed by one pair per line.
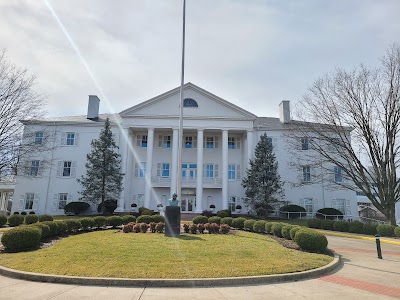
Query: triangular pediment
x,y
208,105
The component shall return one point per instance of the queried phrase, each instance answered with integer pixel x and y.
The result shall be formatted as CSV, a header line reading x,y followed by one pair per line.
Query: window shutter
x,y
55,202
136,170
70,198
40,170
60,166
315,204
35,205
215,170
63,138
204,142
238,141
195,142
158,169
21,202
73,169
160,141
334,205
27,168
348,207
216,142
204,171
138,140
76,139
238,172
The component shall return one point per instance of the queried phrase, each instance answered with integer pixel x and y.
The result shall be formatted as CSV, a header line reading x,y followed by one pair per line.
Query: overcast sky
x,y
252,53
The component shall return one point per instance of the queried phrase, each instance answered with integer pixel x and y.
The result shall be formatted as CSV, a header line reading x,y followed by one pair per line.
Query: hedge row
x,y
212,228
17,219
355,227
28,237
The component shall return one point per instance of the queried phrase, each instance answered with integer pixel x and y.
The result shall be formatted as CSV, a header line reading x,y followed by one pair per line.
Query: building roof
x,y
82,119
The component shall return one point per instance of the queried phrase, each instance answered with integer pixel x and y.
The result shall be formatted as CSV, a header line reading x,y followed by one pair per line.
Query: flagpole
x,y
180,139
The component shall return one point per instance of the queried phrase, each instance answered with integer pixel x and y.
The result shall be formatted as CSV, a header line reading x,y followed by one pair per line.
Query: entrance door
x,y
189,172
187,203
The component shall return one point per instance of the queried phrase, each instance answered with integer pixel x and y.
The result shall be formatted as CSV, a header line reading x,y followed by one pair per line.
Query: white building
x,y
219,139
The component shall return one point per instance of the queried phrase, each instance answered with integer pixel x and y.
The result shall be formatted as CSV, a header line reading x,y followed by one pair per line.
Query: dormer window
x,y
189,102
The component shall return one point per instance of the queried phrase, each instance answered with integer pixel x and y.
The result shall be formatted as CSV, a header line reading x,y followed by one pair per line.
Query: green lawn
x,y
137,255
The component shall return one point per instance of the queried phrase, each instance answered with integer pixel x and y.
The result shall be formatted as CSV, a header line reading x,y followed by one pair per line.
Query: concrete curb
x,y
365,238
194,282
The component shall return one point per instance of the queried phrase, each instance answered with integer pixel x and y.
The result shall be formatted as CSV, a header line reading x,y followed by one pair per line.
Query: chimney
x,y
284,111
93,107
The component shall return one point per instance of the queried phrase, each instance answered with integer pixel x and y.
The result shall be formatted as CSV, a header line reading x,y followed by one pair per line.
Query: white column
x,y
174,167
250,149
124,161
149,166
199,186
224,169
129,174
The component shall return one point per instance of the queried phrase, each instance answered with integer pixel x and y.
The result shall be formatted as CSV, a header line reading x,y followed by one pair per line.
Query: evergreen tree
x,y
263,185
103,180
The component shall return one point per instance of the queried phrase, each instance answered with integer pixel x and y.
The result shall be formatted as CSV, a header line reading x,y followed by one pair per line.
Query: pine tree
x,y
103,180
263,185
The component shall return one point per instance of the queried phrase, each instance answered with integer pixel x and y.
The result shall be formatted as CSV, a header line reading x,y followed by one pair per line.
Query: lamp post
x,y
378,245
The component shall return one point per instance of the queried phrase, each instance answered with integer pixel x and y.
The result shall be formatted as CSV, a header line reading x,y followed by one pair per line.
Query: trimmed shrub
x,y
259,226
128,219
128,227
22,238
30,219
385,230
3,220
15,220
201,228
136,228
342,226
43,218
238,223
314,223
144,227
73,225
327,224
152,226
207,213
141,209
224,213
193,228
147,212
276,229
186,227
144,219
310,240
213,228
87,223
397,231
356,227
44,229
329,213
248,224
160,227
286,231
224,228
200,220
110,206
227,221
215,219
268,227
114,221
294,230
100,221
158,218
369,228
76,207
293,209
53,227
62,227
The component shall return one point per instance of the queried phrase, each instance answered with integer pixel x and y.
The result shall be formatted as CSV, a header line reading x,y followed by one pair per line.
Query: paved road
x,y
362,276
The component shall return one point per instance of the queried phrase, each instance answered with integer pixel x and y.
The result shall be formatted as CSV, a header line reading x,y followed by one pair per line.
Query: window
x,y
140,200
67,169
338,174
143,143
306,174
189,102
34,168
209,171
62,200
339,204
211,142
232,203
190,142
269,142
29,197
166,141
233,143
304,144
232,172
142,169
308,205
165,171
70,138
39,137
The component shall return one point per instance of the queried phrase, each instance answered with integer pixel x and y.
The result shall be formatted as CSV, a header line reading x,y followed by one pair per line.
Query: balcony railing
x,y
186,182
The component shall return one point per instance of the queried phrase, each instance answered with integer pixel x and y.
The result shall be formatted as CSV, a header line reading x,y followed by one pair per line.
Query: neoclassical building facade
x,y
218,141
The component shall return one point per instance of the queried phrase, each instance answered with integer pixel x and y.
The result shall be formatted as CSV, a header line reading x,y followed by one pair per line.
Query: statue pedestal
x,y
173,221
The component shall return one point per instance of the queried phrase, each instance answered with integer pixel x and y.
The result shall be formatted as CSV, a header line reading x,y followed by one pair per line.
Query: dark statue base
x,y
173,221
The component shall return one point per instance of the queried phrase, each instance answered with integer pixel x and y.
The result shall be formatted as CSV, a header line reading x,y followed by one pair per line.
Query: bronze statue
x,y
173,201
